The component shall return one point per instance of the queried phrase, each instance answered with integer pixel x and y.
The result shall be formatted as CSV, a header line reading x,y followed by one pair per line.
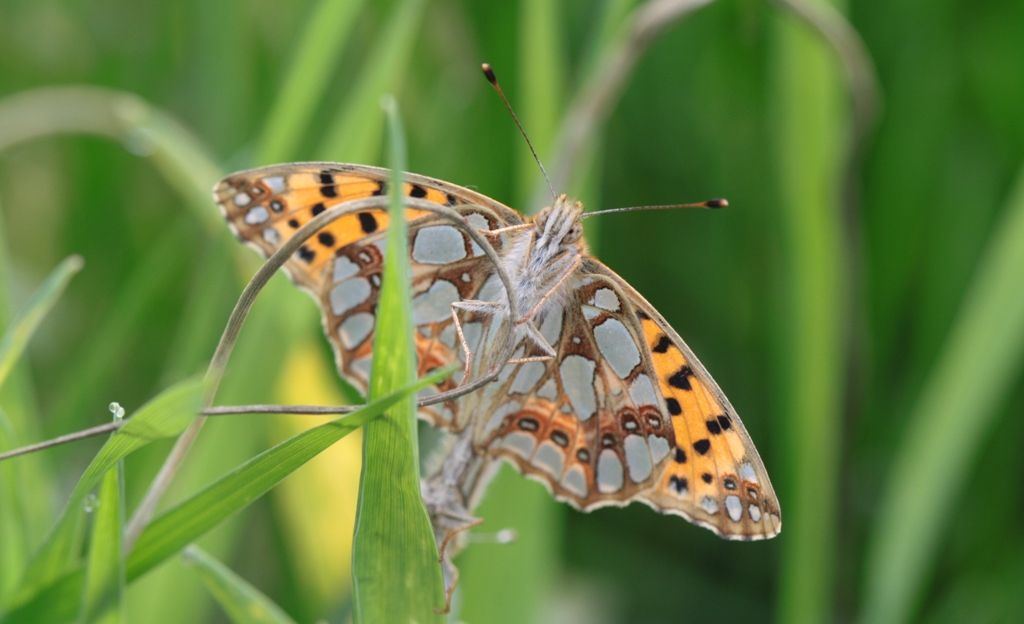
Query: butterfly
x,y
602,400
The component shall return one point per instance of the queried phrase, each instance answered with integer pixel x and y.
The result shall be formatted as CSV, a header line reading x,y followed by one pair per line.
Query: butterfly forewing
x,y
340,265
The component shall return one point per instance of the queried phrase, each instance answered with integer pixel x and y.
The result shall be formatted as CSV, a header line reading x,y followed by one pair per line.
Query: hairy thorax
x,y
539,259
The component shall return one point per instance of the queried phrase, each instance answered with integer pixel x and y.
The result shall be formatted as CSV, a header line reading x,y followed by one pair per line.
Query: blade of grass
x,y
186,522
243,603
124,117
82,383
957,407
25,485
811,134
355,134
165,416
396,576
103,593
17,335
307,76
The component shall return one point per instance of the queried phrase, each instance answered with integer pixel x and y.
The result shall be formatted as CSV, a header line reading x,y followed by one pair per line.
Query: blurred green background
x,y
861,301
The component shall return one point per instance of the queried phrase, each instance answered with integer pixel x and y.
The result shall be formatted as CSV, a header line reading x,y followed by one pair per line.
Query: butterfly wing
x,y
626,412
340,266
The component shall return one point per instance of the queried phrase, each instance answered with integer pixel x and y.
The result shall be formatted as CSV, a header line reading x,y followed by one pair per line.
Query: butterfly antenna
x,y
493,79
711,204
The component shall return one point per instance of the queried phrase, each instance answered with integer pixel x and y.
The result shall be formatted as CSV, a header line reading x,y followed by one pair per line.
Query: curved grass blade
x,y
957,407
185,523
164,417
243,603
103,594
395,571
16,336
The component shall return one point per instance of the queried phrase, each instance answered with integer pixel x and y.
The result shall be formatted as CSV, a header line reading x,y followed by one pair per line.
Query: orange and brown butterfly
x,y
602,402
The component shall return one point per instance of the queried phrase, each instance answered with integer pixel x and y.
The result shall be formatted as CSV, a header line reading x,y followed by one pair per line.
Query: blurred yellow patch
x,y
317,504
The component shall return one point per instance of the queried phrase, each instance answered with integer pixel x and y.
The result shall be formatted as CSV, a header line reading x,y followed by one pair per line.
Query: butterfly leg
x,y
477,307
531,332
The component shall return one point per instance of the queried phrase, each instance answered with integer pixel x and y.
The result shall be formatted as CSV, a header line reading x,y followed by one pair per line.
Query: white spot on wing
x,y
519,443
344,268
435,304
578,380
256,215
709,504
617,346
642,391
438,244
575,482
275,183
528,376
271,236
734,508
747,472
755,513
242,199
550,458
609,472
606,299
355,329
659,447
348,294
551,326
638,458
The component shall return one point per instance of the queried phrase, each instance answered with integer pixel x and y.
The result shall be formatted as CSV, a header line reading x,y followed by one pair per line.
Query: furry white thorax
x,y
538,258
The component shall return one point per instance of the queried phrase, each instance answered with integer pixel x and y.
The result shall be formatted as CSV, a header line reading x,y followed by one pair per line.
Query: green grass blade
x,y
395,569
165,416
355,134
17,335
82,384
243,603
810,137
307,77
956,409
125,117
103,594
13,525
185,523
542,79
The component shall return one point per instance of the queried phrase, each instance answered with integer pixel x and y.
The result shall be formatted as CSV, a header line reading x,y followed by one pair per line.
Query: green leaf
x,y
810,150
163,417
16,336
180,526
394,557
355,134
243,603
948,425
320,47
103,594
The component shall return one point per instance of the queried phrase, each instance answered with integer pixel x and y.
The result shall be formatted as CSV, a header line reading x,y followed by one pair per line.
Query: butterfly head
x,y
559,225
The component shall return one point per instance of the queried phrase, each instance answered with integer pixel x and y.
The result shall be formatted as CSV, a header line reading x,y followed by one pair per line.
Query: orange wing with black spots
x,y
625,412
340,265
715,477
